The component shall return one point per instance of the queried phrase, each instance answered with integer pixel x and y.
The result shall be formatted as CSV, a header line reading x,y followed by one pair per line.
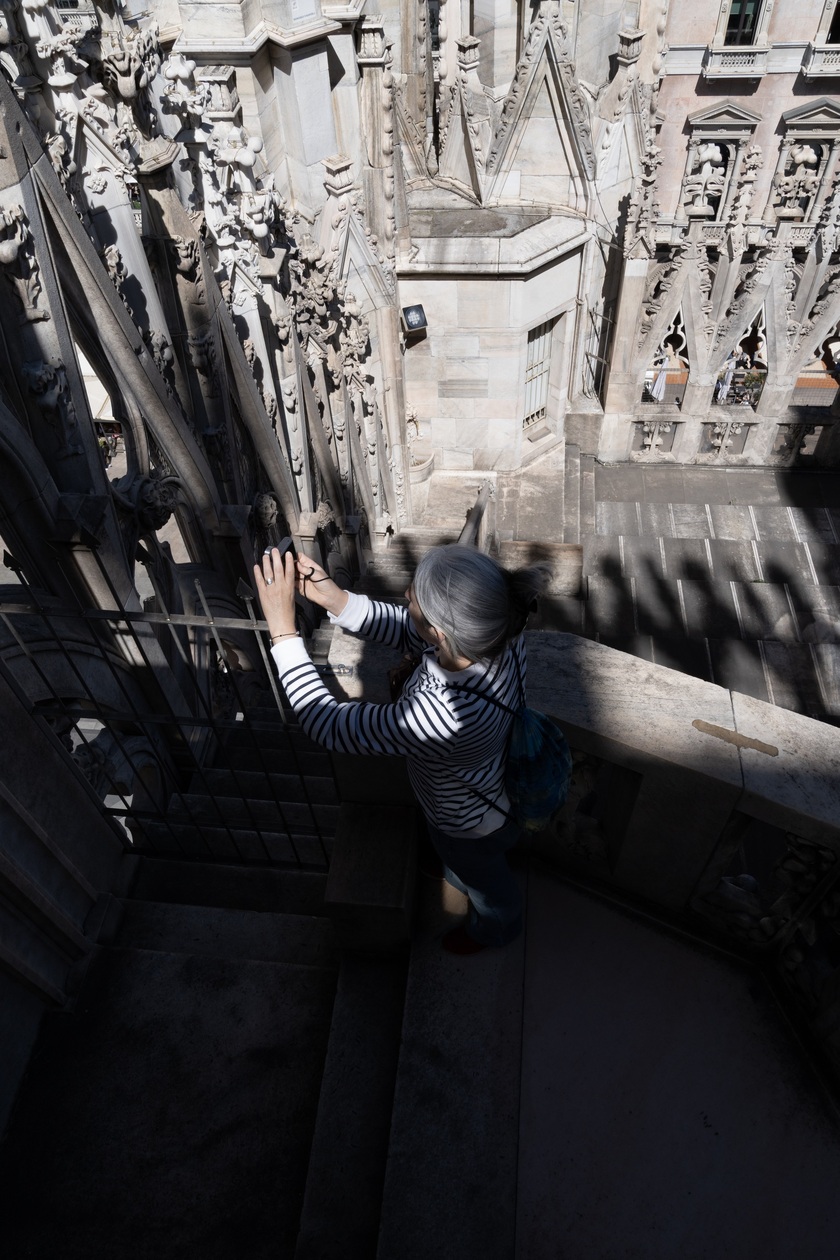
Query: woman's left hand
x,y
276,581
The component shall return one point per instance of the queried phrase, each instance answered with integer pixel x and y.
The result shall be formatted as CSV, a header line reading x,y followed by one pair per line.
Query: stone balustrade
x,y
735,63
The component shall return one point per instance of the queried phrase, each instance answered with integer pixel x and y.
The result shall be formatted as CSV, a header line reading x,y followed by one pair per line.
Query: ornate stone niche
x,y
718,162
654,438
807,160
725,439
796,443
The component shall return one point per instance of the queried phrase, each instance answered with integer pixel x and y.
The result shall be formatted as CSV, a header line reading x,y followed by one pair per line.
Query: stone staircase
x,y
172,1115
271,798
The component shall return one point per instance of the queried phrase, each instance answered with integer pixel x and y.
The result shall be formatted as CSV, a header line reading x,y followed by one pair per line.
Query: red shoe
x,y
459,941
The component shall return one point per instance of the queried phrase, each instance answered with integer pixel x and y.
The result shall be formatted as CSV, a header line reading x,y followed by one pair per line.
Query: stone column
x,y
623,384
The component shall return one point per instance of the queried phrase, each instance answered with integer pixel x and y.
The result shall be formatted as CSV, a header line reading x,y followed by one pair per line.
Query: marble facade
x,y
619,224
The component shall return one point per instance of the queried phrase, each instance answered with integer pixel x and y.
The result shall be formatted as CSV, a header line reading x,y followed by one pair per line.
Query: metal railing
x,y
153,713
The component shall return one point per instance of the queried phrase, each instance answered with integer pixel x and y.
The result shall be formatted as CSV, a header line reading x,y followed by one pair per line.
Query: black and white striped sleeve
x,y
423,724
374,619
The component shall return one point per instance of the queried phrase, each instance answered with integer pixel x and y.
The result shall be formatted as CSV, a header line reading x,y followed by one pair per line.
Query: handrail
x,y
476,515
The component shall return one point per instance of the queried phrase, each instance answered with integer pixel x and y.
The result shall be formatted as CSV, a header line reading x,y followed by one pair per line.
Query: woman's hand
x,y
318,587
276,580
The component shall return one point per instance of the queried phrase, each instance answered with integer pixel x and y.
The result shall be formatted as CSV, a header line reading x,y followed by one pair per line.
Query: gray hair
x,y
477,605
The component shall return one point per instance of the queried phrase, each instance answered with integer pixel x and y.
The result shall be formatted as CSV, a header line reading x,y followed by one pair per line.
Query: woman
x,y
464,619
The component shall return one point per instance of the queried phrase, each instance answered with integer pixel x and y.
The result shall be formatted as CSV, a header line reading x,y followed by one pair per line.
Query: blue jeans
x,y
476,865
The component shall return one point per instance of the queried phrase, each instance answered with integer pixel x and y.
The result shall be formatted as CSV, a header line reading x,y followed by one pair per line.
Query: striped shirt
x,y
454,742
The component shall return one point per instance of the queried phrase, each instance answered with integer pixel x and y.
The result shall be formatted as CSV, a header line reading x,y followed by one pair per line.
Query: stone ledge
x,y
370,886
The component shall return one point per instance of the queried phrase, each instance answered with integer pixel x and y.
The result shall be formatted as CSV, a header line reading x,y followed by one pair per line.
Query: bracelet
x,y
292,634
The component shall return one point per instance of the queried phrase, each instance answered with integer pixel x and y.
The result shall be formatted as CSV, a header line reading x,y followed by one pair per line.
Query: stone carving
x,y
662,275
117,272
548,24
117,765
17,257
742,201
656,437
643,208
797,185
130,59
704,185
723,434
48,383
791,442
149,498
830,284
751,273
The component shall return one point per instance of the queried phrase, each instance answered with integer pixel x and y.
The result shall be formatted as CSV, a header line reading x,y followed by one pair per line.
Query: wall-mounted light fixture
x,y
413,320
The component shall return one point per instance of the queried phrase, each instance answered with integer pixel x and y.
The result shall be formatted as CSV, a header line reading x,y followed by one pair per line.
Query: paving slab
x,y
226,933
602,555
450,1182
624,483
643,557
829,488
798,487
827,665
731,520
172,1116
740,667
686,558
783,562
792,678
765,612
658,607
815,523
690,520
719,1143
689,656
663,485
617,517
710,610
706,485
733,561
609,608
245,887
825,560
774,522
657,520
751,486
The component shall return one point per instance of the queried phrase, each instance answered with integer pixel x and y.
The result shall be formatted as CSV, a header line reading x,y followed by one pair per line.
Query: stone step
x,y
225,933
257,755
208,843
587,497
178,1106
234,887
237,811
267,735
343,1198
571,495
711,609
255,785
450,1180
